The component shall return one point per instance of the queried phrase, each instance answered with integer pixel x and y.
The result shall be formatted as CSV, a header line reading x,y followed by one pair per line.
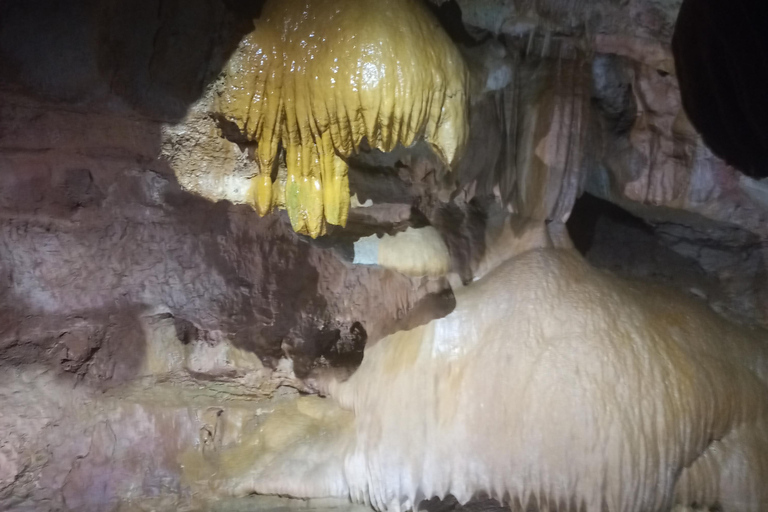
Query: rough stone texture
x,y
721,264
104,239
204,162
95,251
647,158
68,447
131,308
145,313
573,97
537,146
652,20
527,136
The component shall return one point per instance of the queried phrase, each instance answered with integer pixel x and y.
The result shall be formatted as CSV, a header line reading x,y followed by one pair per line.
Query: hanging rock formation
x,y
319,76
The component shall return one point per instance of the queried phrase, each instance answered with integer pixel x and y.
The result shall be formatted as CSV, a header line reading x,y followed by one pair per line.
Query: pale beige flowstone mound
x,y
551,383
317,76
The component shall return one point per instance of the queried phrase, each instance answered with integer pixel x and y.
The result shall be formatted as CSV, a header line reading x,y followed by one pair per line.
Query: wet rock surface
x,y
147,313
96,240
130,306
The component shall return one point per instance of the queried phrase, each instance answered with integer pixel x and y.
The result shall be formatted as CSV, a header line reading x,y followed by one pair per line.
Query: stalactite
x,y
316,77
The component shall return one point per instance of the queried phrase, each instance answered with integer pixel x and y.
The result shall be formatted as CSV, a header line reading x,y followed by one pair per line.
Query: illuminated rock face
x,y
318,76
552,386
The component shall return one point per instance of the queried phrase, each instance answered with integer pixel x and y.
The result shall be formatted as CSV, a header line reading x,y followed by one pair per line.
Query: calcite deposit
x,y
152,323
316,77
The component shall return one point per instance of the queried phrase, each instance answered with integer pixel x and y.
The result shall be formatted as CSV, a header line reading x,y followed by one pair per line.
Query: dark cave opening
x,y
589,211
449,15
721,56
612,238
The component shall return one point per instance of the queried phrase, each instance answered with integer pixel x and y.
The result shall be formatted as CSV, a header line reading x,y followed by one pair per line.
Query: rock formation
x,y
318,77
550,386
153,323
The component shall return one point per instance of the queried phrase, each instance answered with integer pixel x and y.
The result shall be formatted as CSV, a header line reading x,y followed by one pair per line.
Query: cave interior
x,y
217,216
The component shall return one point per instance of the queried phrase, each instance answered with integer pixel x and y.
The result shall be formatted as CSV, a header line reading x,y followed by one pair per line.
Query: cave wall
x,y
132,311
145,313
590,103
94,219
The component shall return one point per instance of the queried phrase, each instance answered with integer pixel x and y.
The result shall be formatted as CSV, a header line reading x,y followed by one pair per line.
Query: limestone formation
x,y
155,330
316,77
550,384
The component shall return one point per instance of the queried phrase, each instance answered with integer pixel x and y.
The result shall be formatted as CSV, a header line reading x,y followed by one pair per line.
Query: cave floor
x,y
247,504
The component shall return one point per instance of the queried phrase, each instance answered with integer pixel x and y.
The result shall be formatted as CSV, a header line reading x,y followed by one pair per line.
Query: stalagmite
x,y
550,383
318,76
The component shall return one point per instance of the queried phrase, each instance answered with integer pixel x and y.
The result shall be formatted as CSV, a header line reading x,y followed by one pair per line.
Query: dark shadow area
x,y
154,57
716,262
588,215
104,346
721,56
485,504
463,228
609,237
86,252
451,504
449,15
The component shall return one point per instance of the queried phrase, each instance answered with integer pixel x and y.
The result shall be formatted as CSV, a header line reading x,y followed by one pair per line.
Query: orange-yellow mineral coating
x,y
319,75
